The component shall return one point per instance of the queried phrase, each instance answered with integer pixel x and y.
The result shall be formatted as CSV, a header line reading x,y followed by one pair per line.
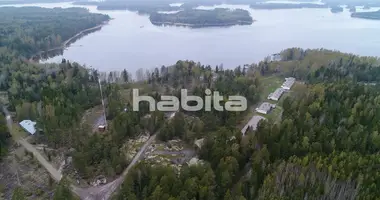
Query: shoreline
x,y
67,42
201,25
367,18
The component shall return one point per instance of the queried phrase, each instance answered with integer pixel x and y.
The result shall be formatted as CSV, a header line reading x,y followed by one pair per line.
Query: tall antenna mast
x,y
104,107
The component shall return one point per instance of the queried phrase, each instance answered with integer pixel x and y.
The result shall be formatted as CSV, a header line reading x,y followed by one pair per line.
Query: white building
x,y
199,143
265,108
29,126
289,82
275,96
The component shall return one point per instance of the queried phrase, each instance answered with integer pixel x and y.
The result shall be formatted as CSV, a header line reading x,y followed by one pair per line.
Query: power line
x,y
104,108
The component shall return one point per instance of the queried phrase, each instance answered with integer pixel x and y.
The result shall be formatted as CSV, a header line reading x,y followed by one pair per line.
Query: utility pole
x,y
104,107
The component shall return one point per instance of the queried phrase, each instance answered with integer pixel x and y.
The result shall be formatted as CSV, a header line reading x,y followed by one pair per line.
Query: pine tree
x,y
18,194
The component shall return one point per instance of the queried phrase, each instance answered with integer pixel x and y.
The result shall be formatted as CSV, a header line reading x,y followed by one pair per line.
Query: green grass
x,y
17,132
268,85
283,97
273,116
297,89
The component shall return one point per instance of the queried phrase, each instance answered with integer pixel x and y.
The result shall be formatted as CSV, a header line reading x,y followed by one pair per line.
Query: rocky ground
x,y
20,169
173,153
132,146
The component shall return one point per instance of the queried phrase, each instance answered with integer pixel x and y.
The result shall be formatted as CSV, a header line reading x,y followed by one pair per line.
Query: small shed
x,y
28,126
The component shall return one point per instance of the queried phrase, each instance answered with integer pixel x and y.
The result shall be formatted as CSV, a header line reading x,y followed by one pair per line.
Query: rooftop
x,y
199,143
289,82
266,106
277,94
29,126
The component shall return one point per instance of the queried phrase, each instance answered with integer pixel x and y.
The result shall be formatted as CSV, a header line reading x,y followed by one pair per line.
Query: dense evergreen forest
x,y
54,95
4,135
29,30
203,18
325,145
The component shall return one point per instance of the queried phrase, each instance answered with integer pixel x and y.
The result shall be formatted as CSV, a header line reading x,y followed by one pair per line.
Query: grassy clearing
x,y
297,89
275,115
17,132
268,85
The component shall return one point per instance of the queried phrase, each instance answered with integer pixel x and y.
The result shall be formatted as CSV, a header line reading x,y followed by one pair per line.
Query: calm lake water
x,y
131,42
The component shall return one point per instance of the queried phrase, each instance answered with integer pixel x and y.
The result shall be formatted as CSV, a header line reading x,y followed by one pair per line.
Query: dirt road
x,y
104,192
93,193
53,172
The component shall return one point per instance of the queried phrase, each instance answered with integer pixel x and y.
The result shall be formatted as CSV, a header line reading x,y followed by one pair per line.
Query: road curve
x,y
93,193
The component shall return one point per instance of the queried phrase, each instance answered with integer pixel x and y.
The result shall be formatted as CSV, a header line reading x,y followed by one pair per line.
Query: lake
x,y
131,42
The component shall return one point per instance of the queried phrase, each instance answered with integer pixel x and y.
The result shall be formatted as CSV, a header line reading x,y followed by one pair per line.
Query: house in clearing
x,y
28,126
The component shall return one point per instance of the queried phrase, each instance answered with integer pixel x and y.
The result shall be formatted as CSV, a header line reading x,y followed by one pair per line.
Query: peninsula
x,y
203,18
367,15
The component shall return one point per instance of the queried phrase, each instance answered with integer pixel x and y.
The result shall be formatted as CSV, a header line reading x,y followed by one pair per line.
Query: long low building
x,y
265,108
252,124
289,82
275,96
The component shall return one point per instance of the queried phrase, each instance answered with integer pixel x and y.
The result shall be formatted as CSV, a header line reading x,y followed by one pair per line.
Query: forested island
x,y
367,15
336,9
203,18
